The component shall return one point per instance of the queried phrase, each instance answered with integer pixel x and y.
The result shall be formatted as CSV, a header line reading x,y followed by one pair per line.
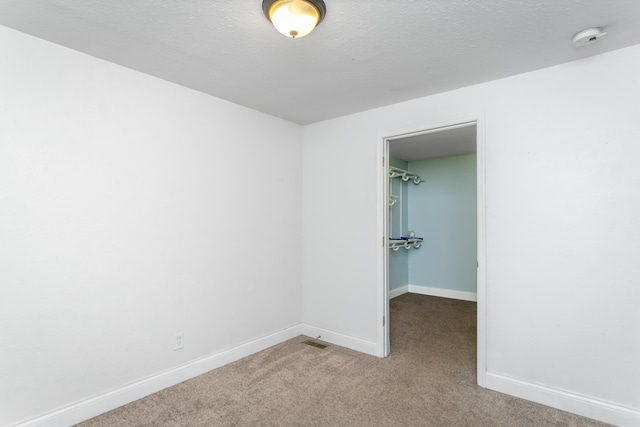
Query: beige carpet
x,y
429,380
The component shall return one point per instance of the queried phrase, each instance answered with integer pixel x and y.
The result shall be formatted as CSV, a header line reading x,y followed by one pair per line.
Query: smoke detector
x,y
588,36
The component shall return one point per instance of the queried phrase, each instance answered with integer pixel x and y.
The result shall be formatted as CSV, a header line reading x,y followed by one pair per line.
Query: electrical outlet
x,y
178,341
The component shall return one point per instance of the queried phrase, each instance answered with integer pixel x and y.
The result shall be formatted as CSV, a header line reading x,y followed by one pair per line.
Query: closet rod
x,y
395,172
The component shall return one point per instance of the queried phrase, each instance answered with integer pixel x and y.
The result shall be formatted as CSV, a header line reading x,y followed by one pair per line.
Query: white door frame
x,y
382,338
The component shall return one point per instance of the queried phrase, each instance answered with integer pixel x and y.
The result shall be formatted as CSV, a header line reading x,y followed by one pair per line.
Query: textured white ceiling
x,y
452,141
365,54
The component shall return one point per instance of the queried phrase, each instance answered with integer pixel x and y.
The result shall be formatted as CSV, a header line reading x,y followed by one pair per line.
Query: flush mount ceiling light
x,y
294,18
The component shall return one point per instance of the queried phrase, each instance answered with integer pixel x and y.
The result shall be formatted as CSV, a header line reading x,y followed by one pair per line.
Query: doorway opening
x,y
415,255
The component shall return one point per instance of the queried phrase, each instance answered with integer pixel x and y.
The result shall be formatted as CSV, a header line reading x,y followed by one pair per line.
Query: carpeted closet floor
x,y
428,380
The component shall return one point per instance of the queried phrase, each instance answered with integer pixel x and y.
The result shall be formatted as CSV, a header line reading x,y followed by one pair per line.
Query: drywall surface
x,y
442,210
398,219
562,218
133,209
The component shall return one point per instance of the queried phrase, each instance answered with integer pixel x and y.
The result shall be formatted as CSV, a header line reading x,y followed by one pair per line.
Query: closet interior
x,y
432,214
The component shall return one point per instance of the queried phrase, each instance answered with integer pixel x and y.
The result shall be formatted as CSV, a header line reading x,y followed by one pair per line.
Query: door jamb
x,y
382,328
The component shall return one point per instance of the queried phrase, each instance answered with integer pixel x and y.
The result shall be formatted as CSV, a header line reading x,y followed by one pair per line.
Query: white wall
x,y
563,228
130,209
398,227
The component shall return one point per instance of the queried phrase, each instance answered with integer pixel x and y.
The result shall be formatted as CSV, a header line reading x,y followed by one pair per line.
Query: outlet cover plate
x,y
178,341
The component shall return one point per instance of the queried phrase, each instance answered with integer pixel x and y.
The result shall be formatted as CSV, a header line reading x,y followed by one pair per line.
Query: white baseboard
x,y
565,401
357,344
444,293
108,401
434,292
398,291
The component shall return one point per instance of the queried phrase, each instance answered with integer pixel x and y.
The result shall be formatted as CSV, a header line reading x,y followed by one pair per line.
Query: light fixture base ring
x,y
319,4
